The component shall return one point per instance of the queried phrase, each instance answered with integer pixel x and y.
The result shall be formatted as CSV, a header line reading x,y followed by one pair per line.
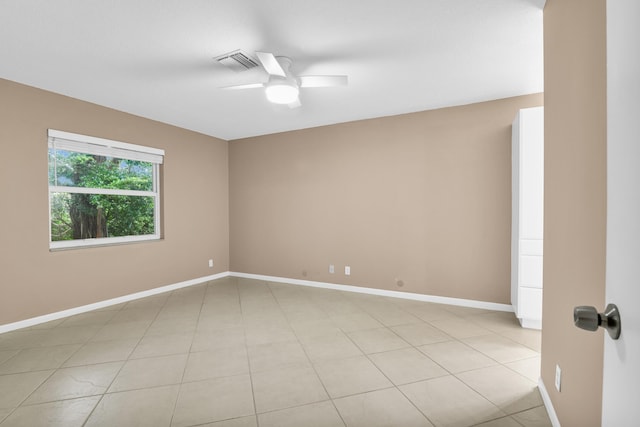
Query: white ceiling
x,y
154,58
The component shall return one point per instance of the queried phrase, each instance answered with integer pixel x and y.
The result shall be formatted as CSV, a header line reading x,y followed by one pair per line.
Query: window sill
x,y
64,245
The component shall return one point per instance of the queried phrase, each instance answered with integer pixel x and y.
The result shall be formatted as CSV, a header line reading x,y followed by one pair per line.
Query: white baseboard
x,y
349,288
555,422
531,323
382,292
102,304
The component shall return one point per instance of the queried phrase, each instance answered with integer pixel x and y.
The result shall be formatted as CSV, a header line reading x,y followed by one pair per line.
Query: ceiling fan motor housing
x,y
283,87
282,90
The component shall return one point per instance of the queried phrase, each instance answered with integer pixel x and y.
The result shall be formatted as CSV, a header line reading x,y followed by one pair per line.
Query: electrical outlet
x,y
210,263
558,377
331,269
347,270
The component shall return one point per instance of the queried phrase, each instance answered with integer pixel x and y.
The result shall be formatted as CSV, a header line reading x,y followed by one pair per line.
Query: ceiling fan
x,y
283,87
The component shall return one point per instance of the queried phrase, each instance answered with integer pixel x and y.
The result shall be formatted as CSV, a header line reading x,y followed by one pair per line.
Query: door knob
x,y
588,318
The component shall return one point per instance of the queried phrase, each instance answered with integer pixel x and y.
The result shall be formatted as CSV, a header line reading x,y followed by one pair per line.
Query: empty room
x,y
341,213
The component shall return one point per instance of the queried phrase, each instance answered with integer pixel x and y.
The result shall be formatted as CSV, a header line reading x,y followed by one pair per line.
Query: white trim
x,y
98,190
546,399
52,133
156,204
531,323
382,292
93,145
101,241
347,288
102,304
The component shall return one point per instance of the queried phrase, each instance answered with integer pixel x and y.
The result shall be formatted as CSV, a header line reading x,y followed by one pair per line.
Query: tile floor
x,y
238,352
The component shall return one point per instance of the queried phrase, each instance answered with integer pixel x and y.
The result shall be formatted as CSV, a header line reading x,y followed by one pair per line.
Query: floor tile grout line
x,y
520,373
186,363
516,342
393,385
44,369
459,379
397,387
410,345
53,371
495,360
487,367
317,376
244,331
84,423
320,302
511,361
118,373
11,411
415,406
127,359
489,400
527,410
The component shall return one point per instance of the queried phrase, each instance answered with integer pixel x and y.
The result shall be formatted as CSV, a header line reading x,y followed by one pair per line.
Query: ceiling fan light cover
x,y
282,93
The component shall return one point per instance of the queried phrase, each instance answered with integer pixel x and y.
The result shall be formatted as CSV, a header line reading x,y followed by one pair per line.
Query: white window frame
x,y
105,147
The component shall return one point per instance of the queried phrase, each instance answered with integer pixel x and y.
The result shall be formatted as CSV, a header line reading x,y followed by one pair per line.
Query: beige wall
x,y
424,198
35,281
575,203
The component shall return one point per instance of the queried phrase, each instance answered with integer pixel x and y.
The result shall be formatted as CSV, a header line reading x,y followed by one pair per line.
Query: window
x,y
101,191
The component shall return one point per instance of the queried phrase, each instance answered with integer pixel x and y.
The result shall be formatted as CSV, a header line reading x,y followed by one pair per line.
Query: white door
x,y
620,404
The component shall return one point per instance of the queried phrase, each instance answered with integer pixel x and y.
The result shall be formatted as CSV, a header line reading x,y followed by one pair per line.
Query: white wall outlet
x,y
347,270
558,377
332,269
210,263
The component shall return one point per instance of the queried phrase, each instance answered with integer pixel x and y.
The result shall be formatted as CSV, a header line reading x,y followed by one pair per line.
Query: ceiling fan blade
x,y
294,104
247,86
323,81
271,64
